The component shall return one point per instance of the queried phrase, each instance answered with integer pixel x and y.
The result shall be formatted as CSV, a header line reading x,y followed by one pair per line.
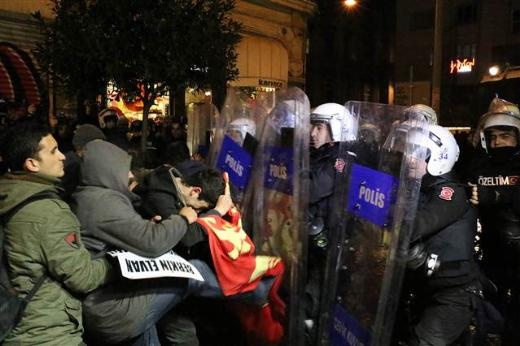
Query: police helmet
x,y
443,150
423,111
243,126
341,123
501,113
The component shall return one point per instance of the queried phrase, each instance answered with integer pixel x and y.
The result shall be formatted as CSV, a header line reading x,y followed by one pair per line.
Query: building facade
x,y
274,44
271,54
475,36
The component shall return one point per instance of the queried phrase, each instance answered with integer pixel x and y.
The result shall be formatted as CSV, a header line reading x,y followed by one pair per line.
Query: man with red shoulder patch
x,y
42,242
441,266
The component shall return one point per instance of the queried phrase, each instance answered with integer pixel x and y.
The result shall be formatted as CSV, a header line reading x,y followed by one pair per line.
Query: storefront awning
x,y
509,73
262,62
18,79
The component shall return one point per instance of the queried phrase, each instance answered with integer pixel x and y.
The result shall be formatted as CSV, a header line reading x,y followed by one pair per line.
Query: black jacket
x,y
498,181
325,163
446,224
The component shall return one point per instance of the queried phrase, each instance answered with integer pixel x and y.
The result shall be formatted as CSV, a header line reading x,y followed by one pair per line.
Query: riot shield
x,y
281,197
375,202
201,122
236,137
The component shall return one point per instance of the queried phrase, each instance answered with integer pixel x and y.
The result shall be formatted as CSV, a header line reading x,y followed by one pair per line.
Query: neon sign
x,y
462,66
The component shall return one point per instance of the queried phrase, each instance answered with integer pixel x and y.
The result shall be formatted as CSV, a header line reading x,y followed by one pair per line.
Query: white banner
x,y
168,265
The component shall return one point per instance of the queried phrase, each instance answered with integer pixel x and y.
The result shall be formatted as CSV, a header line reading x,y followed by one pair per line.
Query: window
x,y
421,20
515,27
466,50
467,14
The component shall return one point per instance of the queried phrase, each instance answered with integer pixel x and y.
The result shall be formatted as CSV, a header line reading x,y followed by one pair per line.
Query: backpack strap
x,y
36,197
5,219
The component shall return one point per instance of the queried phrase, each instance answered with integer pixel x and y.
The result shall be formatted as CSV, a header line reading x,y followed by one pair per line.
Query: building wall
x,y
281,21
485,33
277,26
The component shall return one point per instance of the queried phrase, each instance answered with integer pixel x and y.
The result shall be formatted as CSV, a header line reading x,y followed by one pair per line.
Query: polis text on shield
x,y
278,171
374,197
234,164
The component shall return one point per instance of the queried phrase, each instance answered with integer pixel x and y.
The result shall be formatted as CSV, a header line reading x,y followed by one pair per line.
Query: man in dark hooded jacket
x,y
125,311
129,311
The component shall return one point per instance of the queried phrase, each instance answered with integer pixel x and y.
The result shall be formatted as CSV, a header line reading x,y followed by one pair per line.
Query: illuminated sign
x,y
462,66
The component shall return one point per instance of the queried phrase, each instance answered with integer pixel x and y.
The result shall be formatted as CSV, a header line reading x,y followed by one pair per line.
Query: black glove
x,y
416,256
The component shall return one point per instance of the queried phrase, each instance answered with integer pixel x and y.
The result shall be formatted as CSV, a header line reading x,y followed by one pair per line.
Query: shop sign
x,y
461,65
270,83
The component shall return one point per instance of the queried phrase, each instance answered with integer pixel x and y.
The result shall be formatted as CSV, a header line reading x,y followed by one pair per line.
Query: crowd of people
x,y
101,196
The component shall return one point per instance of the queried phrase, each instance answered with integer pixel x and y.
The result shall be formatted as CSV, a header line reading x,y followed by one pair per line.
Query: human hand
x,y
224,202
156,218
189,213
474,194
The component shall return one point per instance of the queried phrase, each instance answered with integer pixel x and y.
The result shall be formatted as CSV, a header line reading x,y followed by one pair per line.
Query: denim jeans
x,y
210,287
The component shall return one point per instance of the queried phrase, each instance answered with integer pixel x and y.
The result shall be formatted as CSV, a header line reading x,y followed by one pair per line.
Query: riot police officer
x,y
495,175
330,123
442,269
240,127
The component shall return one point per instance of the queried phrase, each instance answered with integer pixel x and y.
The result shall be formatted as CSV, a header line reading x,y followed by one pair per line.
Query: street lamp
x,y
350,3
494,70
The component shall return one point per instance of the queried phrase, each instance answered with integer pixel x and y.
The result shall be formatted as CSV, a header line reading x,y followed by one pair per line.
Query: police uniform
x,y
498,182
326,163
445,225
323,168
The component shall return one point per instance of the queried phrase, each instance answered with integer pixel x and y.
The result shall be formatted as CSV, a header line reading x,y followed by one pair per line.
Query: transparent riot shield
x,y
374,206
237,135
201,122
281,197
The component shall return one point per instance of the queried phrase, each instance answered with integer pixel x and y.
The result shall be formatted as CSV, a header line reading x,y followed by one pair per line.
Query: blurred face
x,y
48,160
417,167
320,135
110,124
177,131
191,195
502,138
236,136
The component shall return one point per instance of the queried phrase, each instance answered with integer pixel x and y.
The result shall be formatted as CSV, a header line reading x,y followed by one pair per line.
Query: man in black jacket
x,y
441,255
163,192
495,176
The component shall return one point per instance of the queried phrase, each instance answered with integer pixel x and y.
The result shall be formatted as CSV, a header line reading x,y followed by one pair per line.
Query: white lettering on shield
x,y
371,196
278,171
234,164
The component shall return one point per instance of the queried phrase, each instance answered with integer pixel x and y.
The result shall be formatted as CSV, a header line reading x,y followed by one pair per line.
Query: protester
x,y
164,191
43,238
72,178
129,311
